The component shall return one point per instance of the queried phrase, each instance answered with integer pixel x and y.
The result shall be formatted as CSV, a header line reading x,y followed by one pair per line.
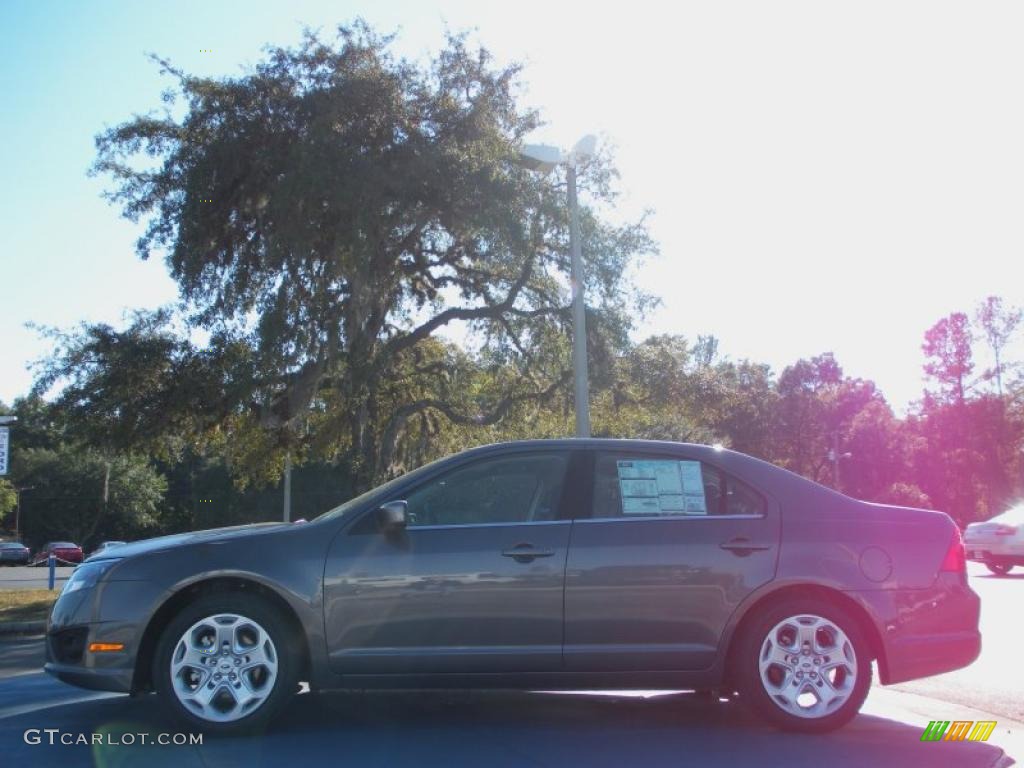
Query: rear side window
x,y
644,486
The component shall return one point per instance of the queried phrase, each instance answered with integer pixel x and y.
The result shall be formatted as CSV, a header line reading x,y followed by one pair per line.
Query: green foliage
x,y
67,499
8,498
949,357
143,388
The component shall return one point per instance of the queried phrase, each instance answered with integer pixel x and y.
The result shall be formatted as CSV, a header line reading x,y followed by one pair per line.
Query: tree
x,y
880,461
335,207
998,325
145,388
947,347
653,392
8,498
68,489
805,426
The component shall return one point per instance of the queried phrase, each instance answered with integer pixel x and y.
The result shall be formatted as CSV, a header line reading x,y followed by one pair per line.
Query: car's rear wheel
x,y
998,567
804,665
226,663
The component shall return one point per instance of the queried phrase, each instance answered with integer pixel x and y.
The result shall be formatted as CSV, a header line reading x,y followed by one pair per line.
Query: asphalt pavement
x,y
495,729
31,577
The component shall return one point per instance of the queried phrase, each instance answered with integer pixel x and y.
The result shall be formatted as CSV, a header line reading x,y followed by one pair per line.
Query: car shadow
x,y
491,728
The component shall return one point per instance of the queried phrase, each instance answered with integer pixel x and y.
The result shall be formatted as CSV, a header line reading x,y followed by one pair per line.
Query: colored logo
x,y
958,730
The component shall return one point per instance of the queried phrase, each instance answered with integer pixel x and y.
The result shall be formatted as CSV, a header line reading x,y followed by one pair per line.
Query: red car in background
x,y
62,550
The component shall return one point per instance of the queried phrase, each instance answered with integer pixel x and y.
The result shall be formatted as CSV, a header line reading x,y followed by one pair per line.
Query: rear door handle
x,y
525,553
742,546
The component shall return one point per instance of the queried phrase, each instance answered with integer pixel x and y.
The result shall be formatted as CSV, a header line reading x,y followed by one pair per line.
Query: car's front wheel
x,y
226,663
804,665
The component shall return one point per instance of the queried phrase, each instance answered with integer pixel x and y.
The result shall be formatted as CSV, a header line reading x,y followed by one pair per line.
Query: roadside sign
x,y
5,444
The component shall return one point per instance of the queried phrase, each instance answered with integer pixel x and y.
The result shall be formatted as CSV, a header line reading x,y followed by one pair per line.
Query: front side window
x,y
511,489
639,486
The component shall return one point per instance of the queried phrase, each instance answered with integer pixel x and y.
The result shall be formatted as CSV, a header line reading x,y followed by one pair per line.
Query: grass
x,y
26,604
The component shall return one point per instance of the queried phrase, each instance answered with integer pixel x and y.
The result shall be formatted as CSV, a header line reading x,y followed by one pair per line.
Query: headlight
x,y
87,574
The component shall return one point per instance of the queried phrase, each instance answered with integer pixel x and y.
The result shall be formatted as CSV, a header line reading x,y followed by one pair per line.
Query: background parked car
x,y
63,550
999,542
104,546
13,553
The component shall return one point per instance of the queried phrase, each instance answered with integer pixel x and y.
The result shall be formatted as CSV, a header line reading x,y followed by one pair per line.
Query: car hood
x,y
161,543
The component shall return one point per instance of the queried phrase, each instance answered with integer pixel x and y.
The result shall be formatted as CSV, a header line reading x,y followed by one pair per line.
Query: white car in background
x,y
998,543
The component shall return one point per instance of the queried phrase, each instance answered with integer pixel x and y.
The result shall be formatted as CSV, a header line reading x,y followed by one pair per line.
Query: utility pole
x,y
288,486
17,508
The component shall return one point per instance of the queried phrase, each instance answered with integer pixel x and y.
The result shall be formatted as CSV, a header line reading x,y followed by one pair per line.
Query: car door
x,y
670,548
473,584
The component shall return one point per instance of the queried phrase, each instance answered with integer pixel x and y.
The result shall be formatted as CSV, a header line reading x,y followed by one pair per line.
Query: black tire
x,y
998,567
281,635
748,676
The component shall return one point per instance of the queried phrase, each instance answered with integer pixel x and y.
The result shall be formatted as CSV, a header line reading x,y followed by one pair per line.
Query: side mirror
x,y
392,516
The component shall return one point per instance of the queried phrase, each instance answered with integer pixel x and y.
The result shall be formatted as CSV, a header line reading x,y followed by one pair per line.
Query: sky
x,y
823,176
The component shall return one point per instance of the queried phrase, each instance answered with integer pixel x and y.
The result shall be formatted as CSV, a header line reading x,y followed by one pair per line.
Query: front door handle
x,y
742,546
525,553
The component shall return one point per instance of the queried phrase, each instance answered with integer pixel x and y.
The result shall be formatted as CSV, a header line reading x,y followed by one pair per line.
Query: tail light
x,y
955,559
1005,530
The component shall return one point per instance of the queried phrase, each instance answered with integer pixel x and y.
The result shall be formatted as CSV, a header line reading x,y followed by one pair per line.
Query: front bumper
x,y
112,612
68,659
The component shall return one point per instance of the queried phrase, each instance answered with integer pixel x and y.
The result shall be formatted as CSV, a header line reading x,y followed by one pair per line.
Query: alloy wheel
x,y
224,667
808,666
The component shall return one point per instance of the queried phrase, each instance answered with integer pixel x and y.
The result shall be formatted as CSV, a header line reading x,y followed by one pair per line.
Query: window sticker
x,y
650,487
693,487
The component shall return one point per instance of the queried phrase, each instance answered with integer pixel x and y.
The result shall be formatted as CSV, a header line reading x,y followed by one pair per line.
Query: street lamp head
x,y
540,157
543,158
585,148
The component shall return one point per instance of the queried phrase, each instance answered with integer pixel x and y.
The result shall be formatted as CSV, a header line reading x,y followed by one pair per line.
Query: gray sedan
x,y
561,564
14,553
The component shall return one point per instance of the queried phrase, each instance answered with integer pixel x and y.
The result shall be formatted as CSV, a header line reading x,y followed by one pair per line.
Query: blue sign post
x,y
52,562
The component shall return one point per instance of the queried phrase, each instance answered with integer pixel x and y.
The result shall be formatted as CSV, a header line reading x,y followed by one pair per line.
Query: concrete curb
x,y
22,627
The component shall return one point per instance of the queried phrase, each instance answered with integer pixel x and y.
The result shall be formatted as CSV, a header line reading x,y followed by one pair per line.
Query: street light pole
x,y
579,311
544,158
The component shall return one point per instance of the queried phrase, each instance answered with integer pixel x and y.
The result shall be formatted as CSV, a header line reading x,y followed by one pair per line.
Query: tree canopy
x,y
336,207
